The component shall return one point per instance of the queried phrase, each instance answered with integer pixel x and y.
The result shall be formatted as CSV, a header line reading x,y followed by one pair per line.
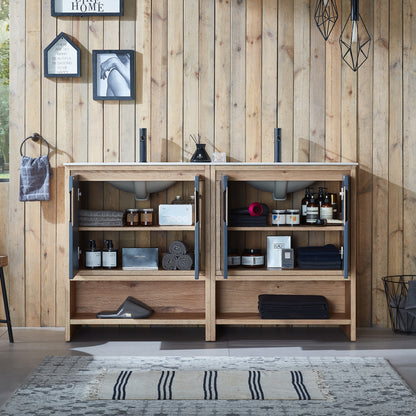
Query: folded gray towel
x,y
169,261
34,178
178,248
184,262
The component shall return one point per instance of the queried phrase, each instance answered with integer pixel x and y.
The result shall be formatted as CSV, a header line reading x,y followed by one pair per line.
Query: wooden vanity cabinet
x,y
178,297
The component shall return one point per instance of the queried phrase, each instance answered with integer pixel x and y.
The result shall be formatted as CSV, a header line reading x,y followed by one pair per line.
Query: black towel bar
x,y
35,137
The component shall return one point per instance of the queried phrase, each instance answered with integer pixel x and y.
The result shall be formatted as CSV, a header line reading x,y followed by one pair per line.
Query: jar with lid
x,y
234,259
292,217
278,217
146,217
252,258
132,217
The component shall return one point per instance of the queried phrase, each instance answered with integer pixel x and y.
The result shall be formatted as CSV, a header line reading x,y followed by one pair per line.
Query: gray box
x,y
140,258
275,244
287,258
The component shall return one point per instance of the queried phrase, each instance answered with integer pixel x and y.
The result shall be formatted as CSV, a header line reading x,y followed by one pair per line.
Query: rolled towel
x,y
185,262
177,248
169,262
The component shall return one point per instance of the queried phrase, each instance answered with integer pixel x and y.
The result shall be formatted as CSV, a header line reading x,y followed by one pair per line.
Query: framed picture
x,y
62,58
87,7
113,74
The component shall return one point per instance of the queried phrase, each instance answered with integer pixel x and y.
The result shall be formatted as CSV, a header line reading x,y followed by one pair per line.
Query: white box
x,y
275,244
175,214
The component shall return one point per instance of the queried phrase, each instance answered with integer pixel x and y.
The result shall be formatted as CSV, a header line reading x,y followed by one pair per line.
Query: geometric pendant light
x,y
355,40
326,15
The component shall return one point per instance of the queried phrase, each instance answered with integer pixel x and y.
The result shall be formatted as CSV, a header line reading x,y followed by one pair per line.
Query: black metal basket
x,y
396,288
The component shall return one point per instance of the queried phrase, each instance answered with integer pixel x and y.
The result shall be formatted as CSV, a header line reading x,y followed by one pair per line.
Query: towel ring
x,y
35,137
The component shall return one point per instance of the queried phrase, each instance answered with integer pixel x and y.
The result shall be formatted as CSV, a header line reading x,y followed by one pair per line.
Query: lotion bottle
x,y
109,255
92,256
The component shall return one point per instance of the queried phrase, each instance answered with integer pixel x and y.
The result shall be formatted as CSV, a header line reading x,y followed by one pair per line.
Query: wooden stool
x,y
3,262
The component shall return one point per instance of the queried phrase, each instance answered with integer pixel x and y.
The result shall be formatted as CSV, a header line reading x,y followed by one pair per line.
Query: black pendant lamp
x,y
355,40
326,15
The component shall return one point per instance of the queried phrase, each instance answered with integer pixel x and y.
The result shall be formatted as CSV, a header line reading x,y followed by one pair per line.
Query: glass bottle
x,y
325,211
321,197
109,255
92,256
312,211
305,202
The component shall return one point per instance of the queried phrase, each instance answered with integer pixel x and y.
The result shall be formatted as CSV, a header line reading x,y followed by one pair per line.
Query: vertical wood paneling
x,y
49,209
409,128
206,73
333,91
301,70
365,178
285,77
269,80
190,76
143,73
395,211
111,108
238,79
380,159
128,137
222,75
175,82
253,81
221,68
95,108
33,124
159,81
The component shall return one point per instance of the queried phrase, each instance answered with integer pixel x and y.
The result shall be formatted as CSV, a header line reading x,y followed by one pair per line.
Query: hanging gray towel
x,y
34,178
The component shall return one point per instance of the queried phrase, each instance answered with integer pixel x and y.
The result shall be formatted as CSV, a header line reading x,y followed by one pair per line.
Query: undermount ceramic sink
x,y
279,189
142,189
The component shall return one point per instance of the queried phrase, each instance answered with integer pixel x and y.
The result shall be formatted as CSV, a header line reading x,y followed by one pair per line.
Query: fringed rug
x,y
207,385
349,386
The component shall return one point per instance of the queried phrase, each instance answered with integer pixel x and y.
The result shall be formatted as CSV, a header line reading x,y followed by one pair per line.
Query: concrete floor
x,y
33,344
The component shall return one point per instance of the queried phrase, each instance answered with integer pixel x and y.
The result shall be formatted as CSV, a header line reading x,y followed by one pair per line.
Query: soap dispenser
x,y
109,255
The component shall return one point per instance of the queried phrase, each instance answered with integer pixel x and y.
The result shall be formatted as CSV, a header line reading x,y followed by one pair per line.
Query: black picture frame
x,y
86,8
62,58
115,67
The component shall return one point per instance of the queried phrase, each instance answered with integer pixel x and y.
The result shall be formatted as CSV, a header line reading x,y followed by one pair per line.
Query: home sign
x,y
87,7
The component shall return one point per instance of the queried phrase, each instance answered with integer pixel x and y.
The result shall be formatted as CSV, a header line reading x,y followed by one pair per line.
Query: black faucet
x,y
277,145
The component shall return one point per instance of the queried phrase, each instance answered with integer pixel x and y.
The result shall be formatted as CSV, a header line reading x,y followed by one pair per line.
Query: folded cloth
x,y
88,213
34,178
322,264
100,223
293,307
318,252
169,261
237,220
177,247
184,262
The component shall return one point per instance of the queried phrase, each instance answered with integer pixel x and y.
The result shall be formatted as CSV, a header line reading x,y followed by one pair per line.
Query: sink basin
x,y
279,189
142,189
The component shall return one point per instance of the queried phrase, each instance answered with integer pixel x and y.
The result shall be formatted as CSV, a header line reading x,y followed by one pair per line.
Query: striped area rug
x,y
208,385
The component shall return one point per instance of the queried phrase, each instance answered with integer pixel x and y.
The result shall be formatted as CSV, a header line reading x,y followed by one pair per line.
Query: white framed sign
x,y
62,58
87,7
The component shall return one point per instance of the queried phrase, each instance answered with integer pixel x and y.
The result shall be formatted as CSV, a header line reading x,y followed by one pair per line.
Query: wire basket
x,y
396,288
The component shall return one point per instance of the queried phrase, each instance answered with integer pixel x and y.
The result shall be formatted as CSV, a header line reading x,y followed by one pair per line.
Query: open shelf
x,y
157,318
136,275
255,319
281,275
289,228
142,228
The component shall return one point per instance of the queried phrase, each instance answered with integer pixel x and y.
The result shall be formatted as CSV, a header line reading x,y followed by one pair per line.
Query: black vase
x,y
200,154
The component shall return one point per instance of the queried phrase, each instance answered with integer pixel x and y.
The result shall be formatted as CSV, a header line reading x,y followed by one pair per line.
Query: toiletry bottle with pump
x,y
325,211
305,202
312,211
109,255
92,256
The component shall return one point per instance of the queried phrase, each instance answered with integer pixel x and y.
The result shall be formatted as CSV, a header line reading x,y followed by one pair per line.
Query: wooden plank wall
x,y
230,70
